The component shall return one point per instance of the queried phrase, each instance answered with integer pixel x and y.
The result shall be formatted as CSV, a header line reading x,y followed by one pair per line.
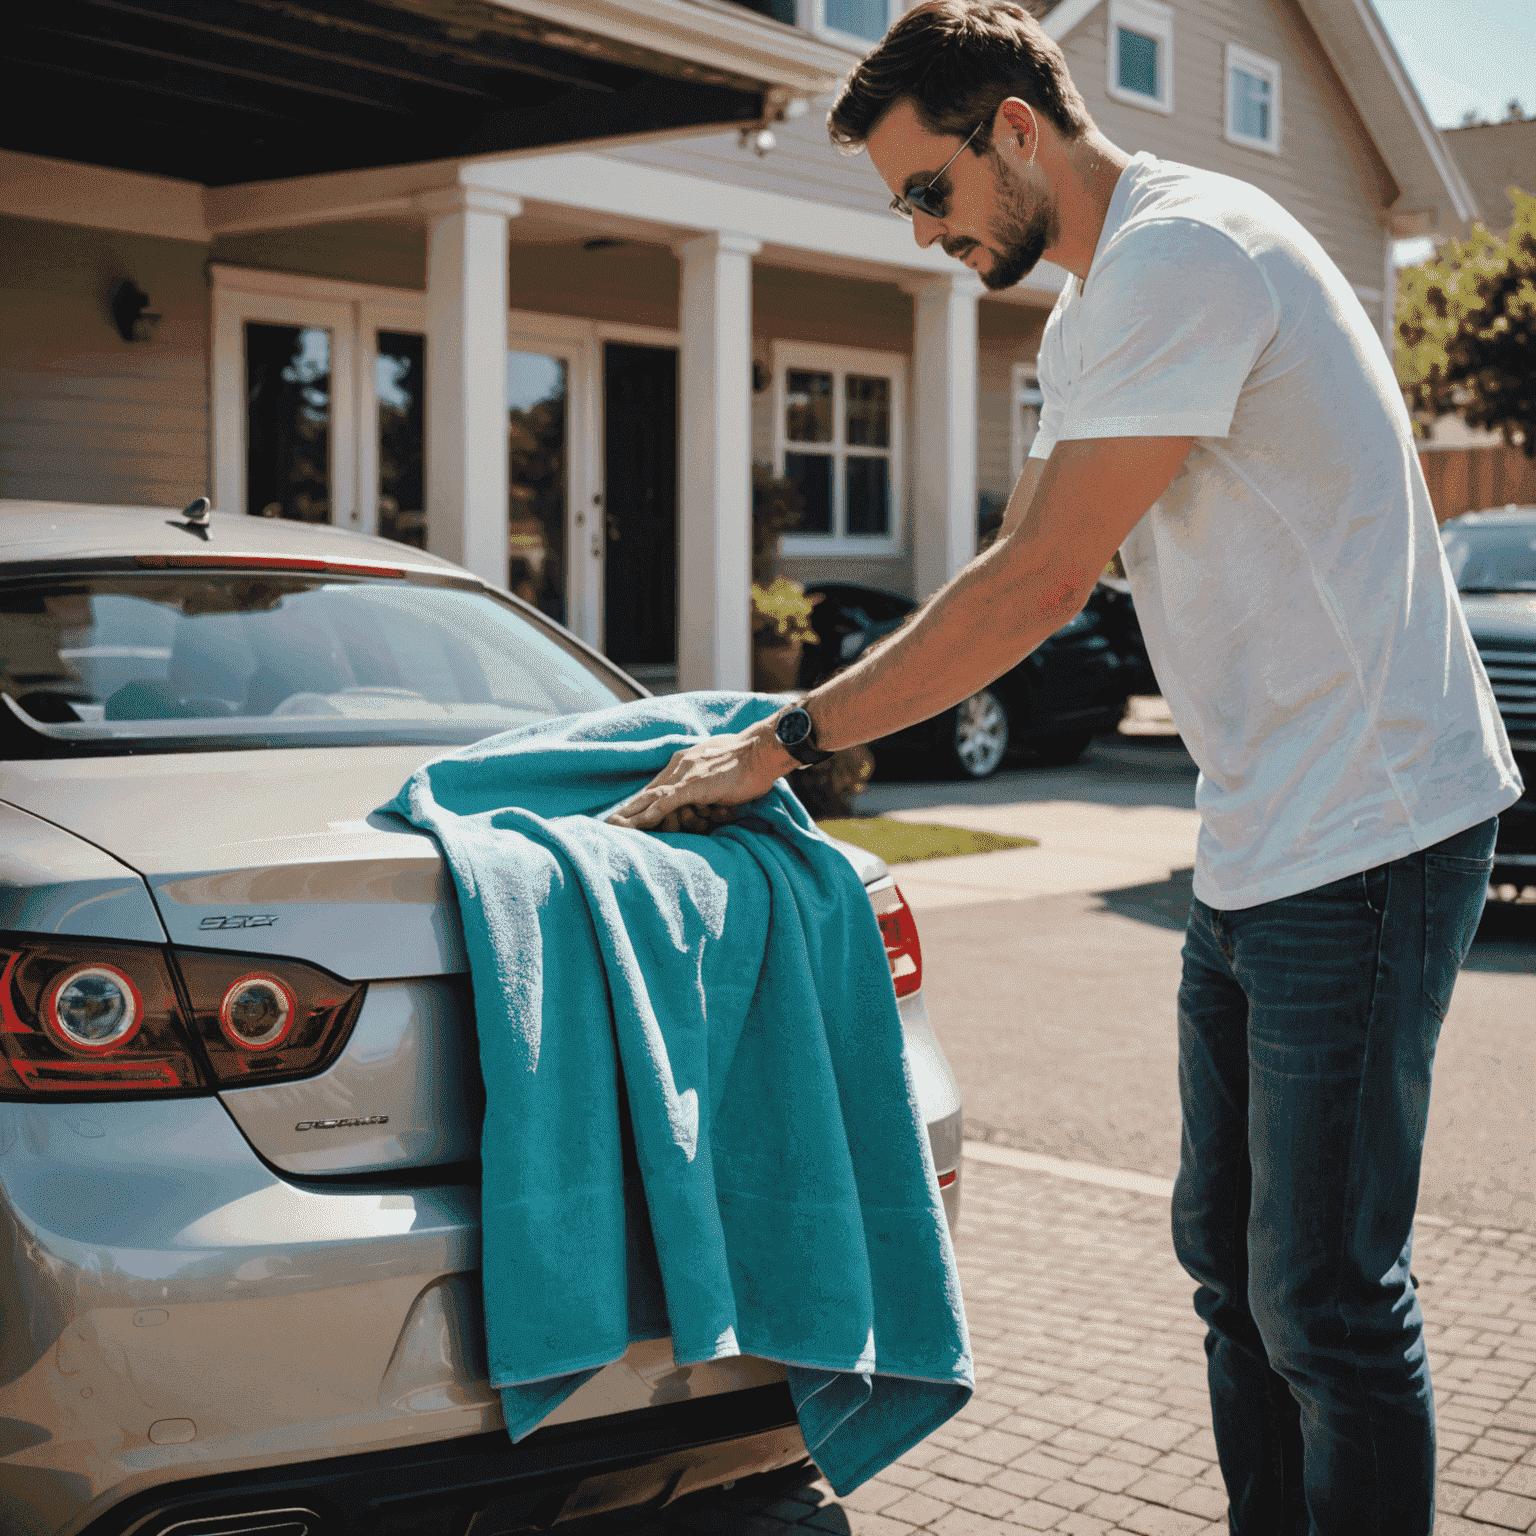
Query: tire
x,y
1060,751
980,740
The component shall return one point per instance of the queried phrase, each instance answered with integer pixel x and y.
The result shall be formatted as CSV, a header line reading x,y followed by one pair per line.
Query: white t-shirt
x,y
1290,582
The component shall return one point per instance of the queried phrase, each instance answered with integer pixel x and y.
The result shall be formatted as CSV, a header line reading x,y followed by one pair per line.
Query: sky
x,y
1466,54
1463,55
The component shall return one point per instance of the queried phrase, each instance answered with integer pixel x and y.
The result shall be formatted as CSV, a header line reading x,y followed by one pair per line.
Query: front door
x,y
640,488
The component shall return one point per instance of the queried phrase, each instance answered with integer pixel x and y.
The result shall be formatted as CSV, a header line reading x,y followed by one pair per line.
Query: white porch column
x,y
714,526
944,413
466,405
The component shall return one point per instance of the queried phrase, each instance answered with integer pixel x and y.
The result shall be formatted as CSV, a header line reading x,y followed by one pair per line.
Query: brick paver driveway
x,y
1090,1414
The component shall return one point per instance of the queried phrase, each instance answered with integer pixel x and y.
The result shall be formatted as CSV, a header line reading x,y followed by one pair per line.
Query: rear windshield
x,y
176,661
1493,557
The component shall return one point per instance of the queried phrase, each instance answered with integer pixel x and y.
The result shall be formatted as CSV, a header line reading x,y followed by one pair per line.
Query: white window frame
x,y
1152,19
840,361
812,15
1245,59
353,313
1022,376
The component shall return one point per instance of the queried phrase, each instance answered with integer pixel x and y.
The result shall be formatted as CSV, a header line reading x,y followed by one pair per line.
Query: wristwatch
x,y
795,733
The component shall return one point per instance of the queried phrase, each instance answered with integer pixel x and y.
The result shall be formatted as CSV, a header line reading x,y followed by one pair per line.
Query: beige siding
x,y
85,415
392,254
630,284
803,163
1327,172
834,311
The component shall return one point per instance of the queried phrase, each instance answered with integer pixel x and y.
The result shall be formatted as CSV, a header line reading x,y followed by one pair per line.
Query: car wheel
x,y
980,741
1059,751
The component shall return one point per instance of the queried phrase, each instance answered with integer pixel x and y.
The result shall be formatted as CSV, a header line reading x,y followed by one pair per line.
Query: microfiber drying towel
x,y
717,1013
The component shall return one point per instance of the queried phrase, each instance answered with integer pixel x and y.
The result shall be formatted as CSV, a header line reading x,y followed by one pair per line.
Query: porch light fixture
x,y
759,140
131,314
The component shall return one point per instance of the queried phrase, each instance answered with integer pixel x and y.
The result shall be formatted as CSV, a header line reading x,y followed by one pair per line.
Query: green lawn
x,y
900,842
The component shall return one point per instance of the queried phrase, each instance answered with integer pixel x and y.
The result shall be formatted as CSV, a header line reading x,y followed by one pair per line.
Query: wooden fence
x,y
1473,479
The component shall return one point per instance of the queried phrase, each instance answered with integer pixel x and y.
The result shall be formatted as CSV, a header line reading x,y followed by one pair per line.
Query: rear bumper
x,y
177,1313
482,1485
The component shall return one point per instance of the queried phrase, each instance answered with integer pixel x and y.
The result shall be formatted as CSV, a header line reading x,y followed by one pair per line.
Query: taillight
x,y
79,1017
265,1021
899,930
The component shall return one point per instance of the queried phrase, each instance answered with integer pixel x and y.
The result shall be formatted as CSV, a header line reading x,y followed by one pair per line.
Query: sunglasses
x,y
922,196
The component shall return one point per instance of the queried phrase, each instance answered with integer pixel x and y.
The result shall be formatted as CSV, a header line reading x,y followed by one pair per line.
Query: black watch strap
x,y
796,733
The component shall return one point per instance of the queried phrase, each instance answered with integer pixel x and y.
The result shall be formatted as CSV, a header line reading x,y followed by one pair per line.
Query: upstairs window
x,y
856,24
864,21
1253,99
1141,53
838,421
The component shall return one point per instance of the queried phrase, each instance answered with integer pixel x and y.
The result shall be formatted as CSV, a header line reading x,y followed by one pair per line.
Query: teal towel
x,y
699,1118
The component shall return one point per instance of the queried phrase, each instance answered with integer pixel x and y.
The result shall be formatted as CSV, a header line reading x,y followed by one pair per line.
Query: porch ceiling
x,y
229,91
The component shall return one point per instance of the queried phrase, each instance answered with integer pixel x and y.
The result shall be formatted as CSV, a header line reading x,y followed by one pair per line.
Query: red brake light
x,y
84,1017
264,563
899,930
265,1022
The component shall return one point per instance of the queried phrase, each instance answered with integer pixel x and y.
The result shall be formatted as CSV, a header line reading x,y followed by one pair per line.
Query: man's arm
x,y
1023,494
1086,497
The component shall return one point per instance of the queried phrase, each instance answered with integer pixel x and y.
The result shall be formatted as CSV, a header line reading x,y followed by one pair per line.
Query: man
x,y
1218,407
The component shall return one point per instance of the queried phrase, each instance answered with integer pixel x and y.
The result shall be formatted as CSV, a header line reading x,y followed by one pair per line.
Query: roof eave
x,y
708,33
1426,174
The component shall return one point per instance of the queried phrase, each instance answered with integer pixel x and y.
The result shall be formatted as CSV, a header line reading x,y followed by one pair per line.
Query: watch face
x,y
794,727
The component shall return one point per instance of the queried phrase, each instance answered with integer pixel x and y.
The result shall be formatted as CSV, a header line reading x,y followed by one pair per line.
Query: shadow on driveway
x,y
1163,903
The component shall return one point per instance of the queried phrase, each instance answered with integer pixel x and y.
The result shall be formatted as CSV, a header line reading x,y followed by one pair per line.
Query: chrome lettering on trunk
x,y
331,1125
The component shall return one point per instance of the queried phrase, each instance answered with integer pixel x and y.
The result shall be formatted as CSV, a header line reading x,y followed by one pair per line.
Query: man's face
x,y
997,221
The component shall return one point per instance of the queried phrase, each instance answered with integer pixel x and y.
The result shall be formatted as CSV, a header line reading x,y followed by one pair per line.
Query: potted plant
x,y
781,611
781,627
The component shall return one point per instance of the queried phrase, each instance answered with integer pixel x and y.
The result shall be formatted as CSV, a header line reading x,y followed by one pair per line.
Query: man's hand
x,y
703,784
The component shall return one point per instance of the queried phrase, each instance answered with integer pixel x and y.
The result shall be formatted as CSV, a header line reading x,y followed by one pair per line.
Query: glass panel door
x,y
538,477
399,388
284,404
288,424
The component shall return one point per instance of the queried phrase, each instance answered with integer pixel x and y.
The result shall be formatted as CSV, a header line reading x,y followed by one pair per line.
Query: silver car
x,y
240,1097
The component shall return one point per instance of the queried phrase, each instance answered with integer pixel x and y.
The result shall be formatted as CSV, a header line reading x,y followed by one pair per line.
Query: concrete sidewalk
x,y
1091,1414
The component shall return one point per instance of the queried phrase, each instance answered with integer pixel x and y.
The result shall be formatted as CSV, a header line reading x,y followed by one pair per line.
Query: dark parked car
x,y
1054,702
1493,558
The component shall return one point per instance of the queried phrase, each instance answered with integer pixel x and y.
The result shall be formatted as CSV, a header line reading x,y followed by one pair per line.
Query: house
x,y
558,364
1493,157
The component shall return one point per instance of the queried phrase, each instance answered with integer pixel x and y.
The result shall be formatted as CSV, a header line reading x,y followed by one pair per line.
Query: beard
x,y
1021,232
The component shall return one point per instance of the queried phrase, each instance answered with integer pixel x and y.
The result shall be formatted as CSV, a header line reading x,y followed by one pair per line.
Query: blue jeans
x,y
1307,1032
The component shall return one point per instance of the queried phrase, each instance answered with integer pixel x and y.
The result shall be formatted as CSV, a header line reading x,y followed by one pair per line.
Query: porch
x,y
594,452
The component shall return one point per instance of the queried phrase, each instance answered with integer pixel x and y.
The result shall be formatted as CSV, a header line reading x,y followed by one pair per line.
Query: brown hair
x,y
958,61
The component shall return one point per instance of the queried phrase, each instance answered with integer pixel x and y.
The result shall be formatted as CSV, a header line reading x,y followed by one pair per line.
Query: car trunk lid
x,y
282,854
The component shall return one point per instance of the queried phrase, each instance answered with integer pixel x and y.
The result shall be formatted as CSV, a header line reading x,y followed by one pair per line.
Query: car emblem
x,y
336,1125
257,920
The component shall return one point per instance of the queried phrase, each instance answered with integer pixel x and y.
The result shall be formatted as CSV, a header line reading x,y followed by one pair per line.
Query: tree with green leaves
x,y
1466,330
